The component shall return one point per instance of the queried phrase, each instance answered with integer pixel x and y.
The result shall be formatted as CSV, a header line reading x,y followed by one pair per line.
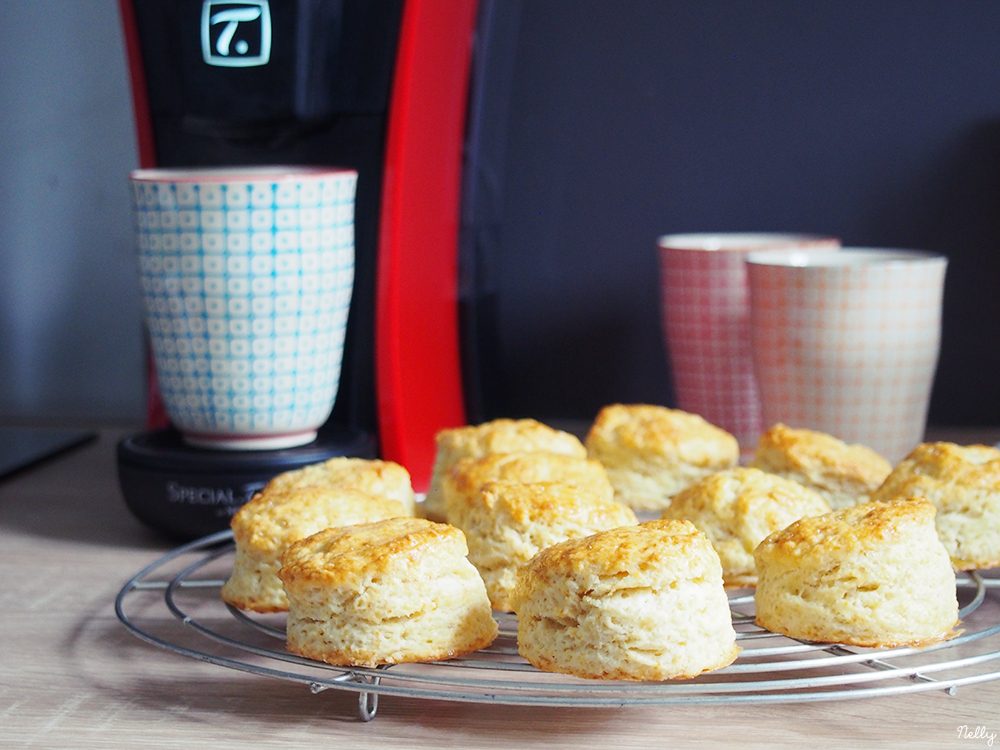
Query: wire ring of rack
x,y
820,671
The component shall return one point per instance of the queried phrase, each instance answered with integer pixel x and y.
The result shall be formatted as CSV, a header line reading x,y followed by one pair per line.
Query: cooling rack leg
x,y
367,702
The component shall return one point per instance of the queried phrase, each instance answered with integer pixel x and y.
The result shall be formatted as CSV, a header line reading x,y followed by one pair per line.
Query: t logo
x,y
236,34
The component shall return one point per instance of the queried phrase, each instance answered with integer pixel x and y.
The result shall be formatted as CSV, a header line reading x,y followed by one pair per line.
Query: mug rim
x,y
741,241
846,257
237,173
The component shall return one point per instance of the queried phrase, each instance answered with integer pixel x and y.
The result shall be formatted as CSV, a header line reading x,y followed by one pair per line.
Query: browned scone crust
x,y
272,520
651,452
489,438
738,508
394,591
843,474
376,477
963,482
507,523
639,602
871,575
353,556
466,478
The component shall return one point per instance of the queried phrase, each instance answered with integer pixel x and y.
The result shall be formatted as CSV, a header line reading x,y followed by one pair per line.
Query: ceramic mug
x,y
847,343
246,274
705,306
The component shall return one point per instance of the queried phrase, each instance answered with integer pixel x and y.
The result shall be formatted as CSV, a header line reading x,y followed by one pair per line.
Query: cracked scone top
x,y
737,508
467,477
376,477
393,591
489,438
640,602
507,523
272,520
870,575
651,452
963,482
844,474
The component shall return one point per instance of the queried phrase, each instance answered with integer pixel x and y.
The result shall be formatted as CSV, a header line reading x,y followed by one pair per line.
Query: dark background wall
x,y
599,126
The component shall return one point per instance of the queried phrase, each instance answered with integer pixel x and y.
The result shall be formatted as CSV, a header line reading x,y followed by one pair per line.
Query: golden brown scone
x,y
964,483
383,478
264,527
640,602
497,436
869,575
651,453
507,523
388,592
737,508
466,478
843,474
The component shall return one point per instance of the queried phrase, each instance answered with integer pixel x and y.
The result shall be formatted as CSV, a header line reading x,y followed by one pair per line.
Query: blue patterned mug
x,y
246,279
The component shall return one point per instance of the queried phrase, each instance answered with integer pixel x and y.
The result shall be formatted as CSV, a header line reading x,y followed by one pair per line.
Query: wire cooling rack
x,y
184,585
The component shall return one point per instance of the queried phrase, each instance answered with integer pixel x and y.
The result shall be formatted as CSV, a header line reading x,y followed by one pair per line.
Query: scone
x,y
964,483
737,508
383,478
507,523
465,480
869,575
497,436
640,602
651,453
843,474
265,526
389,592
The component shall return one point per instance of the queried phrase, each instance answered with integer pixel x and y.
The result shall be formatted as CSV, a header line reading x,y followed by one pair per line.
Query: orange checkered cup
x,y
706,320
847,342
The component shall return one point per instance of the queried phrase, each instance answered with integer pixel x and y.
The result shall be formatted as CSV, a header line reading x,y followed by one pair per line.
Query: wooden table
x,y
71,676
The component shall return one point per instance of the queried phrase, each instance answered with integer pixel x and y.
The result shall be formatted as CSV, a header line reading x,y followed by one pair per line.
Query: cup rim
x,y
742,241
847,257
242,173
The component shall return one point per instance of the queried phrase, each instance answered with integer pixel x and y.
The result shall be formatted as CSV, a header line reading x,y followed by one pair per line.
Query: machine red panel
x,y
156,414
419,381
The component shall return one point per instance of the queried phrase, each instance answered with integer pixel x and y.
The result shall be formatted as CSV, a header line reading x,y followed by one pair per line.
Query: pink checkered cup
x,y
705,304
847,343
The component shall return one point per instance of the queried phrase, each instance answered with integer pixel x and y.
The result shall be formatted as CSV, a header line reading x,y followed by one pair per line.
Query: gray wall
x,y
70,330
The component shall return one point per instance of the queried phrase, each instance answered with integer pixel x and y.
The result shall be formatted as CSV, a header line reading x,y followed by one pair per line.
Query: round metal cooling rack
x,y
771,668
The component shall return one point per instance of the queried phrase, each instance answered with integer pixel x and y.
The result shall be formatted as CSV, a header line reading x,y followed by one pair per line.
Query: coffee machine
x,y
380,87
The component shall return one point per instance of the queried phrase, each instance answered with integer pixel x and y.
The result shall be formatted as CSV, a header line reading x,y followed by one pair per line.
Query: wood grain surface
x,y
71,676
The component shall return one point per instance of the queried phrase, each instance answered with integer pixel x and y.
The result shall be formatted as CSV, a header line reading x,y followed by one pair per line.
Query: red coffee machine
x,y
378,86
